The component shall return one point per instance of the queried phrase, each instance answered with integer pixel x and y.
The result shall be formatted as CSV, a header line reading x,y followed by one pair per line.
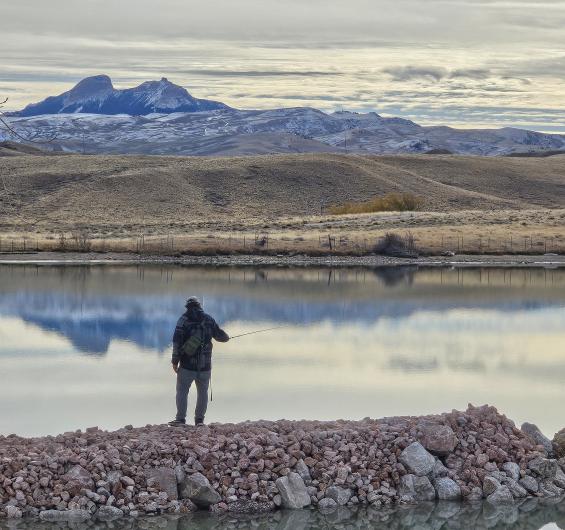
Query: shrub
x,y
392,202
82,241
394,245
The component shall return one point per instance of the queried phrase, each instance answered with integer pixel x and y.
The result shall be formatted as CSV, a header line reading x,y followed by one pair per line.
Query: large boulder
x,y
543,467
490,485
559,479
13,512
438,439
293,491
417,460
529,483
107,513
75,516
537,436
164,479
559,444
419,488
247,506
340,495
549,489
518,491
327,505
512,470
77,479
502,495
302,469
447,489
197,488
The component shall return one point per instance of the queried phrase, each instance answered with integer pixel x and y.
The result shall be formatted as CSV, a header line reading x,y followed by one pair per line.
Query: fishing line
x,y
258,331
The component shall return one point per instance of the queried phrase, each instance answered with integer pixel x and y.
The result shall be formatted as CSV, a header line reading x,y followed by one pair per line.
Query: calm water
x,y
530,515
84,346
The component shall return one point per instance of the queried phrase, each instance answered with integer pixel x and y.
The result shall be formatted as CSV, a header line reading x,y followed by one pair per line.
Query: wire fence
x,y
263,243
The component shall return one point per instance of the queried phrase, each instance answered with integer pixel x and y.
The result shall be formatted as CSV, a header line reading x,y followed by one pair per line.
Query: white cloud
x,y
378,55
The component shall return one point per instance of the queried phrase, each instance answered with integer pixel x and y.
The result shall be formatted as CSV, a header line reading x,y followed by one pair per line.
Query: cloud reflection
x,y
359,343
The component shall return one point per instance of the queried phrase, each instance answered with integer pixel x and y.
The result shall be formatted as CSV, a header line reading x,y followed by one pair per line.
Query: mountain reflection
x,y
93,306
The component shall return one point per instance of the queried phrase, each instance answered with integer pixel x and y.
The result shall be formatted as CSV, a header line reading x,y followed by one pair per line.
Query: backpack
x,y
195,341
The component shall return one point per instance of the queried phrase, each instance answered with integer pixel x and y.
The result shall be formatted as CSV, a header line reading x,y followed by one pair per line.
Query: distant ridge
x,y
97,95
161,118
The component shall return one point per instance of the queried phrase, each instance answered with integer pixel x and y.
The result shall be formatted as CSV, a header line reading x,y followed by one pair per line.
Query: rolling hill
x,y
102,191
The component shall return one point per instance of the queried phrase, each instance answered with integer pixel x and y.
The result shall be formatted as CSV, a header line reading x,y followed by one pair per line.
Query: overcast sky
x,y
460,62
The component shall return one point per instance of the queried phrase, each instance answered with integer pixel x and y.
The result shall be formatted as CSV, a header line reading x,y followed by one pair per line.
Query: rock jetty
x,y
256,467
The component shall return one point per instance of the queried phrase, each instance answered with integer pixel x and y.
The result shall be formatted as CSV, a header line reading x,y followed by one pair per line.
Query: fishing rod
x,y
258,331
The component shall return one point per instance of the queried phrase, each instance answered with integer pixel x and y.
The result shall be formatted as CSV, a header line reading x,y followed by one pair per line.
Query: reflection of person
x,y
198,367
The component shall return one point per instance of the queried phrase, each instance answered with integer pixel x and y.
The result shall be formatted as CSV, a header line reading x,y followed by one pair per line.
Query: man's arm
x,y
219,334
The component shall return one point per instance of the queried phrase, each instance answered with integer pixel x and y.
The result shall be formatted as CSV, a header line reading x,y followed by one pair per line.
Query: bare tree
x,y
23,136
10,201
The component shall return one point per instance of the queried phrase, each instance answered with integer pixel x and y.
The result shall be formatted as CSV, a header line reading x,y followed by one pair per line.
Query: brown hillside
x,y
108,190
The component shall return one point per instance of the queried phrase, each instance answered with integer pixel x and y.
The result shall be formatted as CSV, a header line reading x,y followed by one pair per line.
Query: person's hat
x,y
193,301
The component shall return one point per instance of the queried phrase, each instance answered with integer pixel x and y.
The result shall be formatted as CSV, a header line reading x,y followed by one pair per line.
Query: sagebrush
x,y
392,202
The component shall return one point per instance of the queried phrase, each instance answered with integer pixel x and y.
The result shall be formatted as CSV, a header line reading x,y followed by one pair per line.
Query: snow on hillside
x,y
159,117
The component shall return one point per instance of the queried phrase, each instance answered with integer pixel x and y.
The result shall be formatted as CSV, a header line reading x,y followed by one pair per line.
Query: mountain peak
x,y
91,87
97,95
95,82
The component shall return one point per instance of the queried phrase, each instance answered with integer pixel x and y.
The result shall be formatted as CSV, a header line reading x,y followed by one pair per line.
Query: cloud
x,y
267,53
262,73
436,73
540,66
408,73
470,73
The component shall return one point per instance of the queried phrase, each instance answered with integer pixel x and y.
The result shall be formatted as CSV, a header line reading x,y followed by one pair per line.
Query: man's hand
x,y
176,367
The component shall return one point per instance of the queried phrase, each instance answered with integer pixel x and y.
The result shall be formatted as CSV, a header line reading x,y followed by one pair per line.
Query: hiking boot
x,y
177,423
198,422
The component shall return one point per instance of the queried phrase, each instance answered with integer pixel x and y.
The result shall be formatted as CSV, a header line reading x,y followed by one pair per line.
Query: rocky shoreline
x,y
256,467
256,260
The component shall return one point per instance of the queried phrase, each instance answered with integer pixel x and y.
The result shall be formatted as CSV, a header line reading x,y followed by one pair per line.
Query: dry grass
x,y
127,193
497,232
272,204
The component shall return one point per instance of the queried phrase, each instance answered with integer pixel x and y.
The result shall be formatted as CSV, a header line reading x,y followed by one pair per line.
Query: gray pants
x,y
184,381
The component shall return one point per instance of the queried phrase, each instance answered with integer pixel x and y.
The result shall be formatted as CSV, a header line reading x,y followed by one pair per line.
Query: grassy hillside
x,y
57,191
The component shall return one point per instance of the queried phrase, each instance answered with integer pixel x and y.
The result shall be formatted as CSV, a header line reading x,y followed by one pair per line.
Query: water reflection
x,y
89,345
528,515
91,306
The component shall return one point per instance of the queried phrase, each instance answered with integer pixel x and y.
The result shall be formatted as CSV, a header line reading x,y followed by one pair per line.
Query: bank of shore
x,y
260,466
257,260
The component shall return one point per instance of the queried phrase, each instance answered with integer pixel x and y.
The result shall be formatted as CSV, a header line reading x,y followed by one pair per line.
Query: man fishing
x,y
192,358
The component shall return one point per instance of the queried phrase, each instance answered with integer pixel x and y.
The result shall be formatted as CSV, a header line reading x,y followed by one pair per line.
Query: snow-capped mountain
x,y
159,117
97,95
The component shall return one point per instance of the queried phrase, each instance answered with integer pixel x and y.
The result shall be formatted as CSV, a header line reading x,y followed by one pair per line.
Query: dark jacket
x,y
202,361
